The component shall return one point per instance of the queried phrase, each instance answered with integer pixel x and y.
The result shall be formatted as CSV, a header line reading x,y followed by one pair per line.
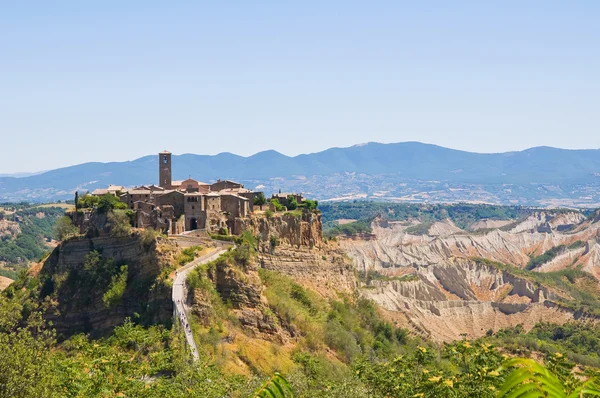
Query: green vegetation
x,y
225,238
576,245
549,255
36,226
462,214
260,199
353,228
120,222
309,204
292,203
188,255
116,288
530,379
278,206
102,203
578,341
419,229
373,275
64,228
276,387
578,288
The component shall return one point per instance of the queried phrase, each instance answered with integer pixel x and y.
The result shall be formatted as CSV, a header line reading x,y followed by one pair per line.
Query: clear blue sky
x,y
115,80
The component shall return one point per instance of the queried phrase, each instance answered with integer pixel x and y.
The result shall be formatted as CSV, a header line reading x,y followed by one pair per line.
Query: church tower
x,y
164,169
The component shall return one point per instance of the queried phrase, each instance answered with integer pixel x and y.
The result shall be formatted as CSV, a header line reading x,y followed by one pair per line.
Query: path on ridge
x,y
179,297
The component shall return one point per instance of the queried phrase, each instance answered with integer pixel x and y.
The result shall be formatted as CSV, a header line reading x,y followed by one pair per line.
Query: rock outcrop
x,y
72,290
297,228
451,293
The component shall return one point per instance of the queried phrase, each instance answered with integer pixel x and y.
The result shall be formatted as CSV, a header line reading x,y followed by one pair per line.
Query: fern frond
x,y
276,387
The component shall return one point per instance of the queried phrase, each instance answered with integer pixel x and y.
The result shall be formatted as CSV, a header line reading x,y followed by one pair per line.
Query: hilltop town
x,y
176,207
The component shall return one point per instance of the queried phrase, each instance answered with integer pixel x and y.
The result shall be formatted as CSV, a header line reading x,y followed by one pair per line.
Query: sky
x,y
110,80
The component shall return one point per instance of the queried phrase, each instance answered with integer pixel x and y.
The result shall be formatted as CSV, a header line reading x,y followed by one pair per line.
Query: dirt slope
x,y
451,293
4,282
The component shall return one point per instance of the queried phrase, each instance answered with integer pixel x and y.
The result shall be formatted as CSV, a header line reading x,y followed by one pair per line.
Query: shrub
x,y
260,199
64,228
119,222
273,241
278,206
148,237
292,203
116,288
310,204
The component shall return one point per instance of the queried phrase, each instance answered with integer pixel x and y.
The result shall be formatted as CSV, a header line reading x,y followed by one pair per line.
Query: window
x,y
165,159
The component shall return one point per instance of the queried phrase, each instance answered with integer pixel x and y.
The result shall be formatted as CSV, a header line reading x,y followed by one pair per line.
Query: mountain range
x,y
408,171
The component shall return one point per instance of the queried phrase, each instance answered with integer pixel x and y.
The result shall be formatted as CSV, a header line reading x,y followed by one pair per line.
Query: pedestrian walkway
x,y
179,294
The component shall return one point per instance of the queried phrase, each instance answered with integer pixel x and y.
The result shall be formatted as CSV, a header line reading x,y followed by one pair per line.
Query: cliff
x,y
78,274
296,228
433,283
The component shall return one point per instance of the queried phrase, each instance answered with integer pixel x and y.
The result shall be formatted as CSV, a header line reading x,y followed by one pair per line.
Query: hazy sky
x,y
115,80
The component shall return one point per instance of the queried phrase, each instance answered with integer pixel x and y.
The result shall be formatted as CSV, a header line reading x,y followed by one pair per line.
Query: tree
x,y
292,203
260,199
64,228
120,224
278,206
310,204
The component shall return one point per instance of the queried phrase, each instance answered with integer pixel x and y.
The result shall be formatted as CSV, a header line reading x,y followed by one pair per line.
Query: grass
x,y
65,206
419,229
377,276
187,255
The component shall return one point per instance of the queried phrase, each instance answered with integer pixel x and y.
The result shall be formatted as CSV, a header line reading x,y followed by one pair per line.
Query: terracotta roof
x,y
165,152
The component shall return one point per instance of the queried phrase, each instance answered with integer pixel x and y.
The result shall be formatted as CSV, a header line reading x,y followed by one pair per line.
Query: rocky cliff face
x,y
450,293
76,276
292,243
299,229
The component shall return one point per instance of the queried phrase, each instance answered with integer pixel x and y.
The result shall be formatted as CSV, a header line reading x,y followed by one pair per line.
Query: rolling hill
x,y
408,171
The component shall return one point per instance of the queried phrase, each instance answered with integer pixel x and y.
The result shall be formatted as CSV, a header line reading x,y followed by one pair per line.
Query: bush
x,y
64,228
292,203
116,288
544,258
260,199
310,204
278,206
273,241
120,224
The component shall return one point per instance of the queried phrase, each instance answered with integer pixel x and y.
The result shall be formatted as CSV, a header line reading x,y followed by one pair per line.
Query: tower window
x,y
165,161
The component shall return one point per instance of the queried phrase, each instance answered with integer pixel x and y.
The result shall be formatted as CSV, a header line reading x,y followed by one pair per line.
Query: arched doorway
x,y
193,224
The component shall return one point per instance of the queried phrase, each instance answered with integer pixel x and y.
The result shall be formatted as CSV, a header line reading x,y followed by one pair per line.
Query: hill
x,y
408,171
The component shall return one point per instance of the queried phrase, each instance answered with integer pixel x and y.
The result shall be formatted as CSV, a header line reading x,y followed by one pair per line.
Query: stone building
x,y
177,206
284,198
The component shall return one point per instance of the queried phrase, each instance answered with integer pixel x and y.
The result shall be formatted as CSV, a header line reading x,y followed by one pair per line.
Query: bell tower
x,y
164,169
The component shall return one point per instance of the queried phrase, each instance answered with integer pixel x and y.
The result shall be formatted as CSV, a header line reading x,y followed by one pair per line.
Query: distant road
x,y
179,293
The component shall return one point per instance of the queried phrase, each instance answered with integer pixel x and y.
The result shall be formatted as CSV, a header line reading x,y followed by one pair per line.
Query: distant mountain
x,y
403,171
